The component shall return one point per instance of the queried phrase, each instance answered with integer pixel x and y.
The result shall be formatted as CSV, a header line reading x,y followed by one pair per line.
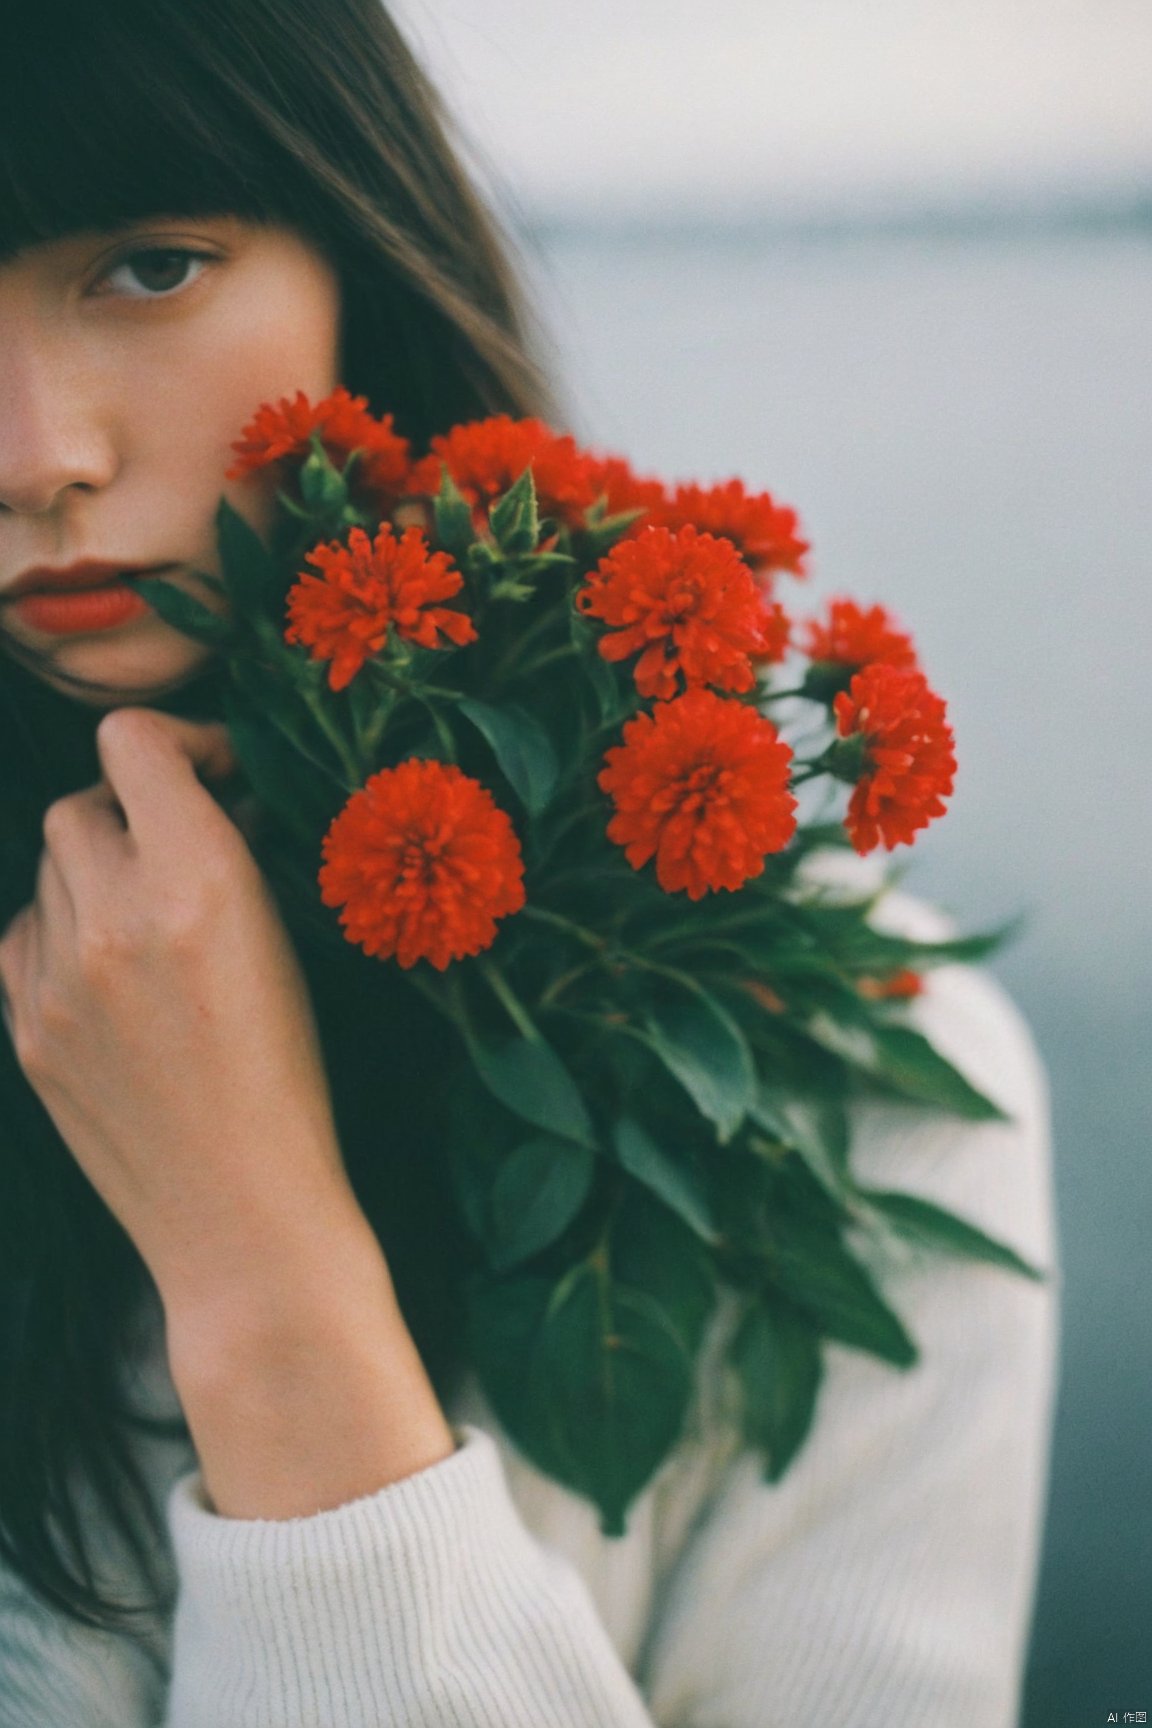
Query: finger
x,y
153,763
87,842
55,906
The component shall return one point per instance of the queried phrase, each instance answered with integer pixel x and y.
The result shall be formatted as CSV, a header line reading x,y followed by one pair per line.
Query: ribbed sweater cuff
x,y
428,1602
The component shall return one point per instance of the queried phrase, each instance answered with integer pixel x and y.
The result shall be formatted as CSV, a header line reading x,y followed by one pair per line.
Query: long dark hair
x,y
311,113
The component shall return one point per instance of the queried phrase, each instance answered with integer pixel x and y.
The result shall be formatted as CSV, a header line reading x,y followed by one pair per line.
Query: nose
x,y
52,438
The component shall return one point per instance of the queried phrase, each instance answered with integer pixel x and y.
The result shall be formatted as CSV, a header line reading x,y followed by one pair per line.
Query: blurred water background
x,y
898,270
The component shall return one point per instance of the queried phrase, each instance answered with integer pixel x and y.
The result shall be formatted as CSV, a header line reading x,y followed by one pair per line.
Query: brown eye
x,y
155,271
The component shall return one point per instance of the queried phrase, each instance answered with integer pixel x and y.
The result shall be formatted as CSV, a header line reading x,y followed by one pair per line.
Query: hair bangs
x,y
104,123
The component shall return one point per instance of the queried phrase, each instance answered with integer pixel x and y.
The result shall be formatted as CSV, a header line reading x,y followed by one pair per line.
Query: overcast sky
x,y
798,102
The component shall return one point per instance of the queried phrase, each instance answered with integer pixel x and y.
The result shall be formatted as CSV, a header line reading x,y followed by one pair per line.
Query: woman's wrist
x,y
305,1390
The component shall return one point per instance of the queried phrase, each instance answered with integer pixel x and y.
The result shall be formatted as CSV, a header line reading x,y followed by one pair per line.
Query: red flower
x,y
486,457
423,861
898,984
907,754
688,601
764,532
284,429
702,785
385,463
615,480
775,628
853,637
369,588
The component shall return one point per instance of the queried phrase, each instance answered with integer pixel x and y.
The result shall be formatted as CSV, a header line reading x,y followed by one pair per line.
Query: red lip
x,y
74,577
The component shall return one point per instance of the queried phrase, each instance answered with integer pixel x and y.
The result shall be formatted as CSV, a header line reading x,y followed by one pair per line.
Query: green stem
x,y
406,687
564,653
585,812
433,995
541,915
369,743
353,776
563,982
298,745
779,695
603,944
505,994
602,1272
546,620
674,972
614,722
810,771
704,934
447,742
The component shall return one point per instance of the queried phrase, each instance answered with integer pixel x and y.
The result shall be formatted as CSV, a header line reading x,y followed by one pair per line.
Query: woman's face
x,y
128,364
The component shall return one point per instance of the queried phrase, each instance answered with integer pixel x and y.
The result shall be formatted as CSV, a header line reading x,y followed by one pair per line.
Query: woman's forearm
x,y
304,1390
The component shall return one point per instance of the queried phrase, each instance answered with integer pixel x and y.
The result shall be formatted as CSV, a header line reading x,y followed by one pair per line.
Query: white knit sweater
x,y
886,1582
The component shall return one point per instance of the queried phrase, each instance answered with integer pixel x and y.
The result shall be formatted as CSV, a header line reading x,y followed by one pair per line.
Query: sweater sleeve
x,y
426,1605
888,1578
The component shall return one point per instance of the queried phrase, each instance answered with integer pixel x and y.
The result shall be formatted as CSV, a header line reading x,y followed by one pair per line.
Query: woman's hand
x,y
158,1009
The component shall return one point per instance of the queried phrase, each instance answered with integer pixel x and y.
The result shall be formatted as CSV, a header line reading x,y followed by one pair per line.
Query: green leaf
x,y
455,530
812,1267
514,520
601,533
622,1378
249,568
533,1082
777,1358
614,698
591,1375
884,953
539,1189
276,773
480,1134
705,1049
507,1319
815,1128
653,1250
903,1061
921,1221
184,613
841,927
539,563
267,699
523,749
674,1181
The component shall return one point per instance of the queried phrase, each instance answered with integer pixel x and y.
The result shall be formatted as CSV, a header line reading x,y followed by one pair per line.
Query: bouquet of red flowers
x,y
509,707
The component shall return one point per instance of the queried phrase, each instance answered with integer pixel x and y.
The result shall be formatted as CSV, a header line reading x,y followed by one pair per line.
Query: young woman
x,y
245,1476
